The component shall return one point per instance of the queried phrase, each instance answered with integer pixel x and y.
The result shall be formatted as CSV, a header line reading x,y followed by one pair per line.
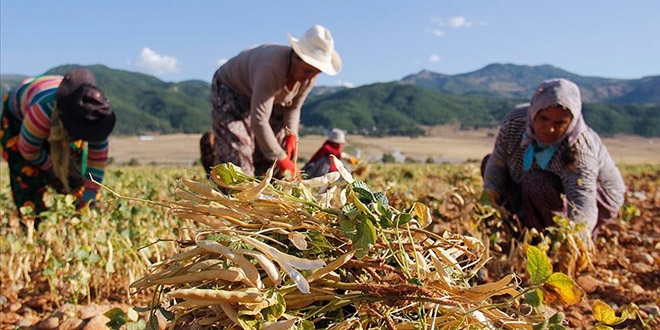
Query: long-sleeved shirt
x,y
32,102
594,166
260,74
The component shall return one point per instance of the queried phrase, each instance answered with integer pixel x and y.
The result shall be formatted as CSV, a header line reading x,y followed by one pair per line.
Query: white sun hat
x,y
337,136
317,48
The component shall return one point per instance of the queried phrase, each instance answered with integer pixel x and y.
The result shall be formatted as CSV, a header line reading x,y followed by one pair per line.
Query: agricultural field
x,y
78,267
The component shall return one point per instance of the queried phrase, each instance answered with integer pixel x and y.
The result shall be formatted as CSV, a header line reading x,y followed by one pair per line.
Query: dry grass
x,y
445,144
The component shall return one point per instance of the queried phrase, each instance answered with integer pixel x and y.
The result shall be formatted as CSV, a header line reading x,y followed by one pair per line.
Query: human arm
x,y
596,180
580,188
261,103
35,129
292,116
495,172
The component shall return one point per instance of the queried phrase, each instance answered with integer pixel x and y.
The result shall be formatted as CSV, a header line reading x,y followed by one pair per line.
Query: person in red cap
x,y
320,163
54,132
256,99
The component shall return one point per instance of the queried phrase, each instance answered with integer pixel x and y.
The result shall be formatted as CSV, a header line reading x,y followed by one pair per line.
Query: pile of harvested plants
x,y
321,253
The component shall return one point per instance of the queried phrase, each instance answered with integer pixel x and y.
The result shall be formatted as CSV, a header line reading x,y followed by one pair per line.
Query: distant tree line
x,y
147,105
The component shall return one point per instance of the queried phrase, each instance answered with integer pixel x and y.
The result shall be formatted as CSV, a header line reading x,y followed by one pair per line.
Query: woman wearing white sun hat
x,y
256,99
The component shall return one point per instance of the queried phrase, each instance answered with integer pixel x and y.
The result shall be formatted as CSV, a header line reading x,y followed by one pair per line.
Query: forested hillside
x,y
146,105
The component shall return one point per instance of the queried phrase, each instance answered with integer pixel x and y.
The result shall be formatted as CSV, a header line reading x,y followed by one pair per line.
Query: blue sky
x,y
379,41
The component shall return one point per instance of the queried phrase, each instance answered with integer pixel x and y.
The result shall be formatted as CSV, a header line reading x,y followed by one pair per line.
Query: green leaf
x,y
219,237
117,318
415,281
275,311
558,318
349,227
540,326
229,173
167,314
357,200
385,221
534,297
319,243
386,215
365,237
538,265
351,211
402,219
361,188
248,322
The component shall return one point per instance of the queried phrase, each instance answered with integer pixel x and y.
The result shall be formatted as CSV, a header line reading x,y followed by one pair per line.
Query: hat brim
x,y
331,68
93,131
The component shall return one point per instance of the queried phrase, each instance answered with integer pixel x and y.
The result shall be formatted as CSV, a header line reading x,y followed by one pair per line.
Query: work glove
x,y
291,146
286,168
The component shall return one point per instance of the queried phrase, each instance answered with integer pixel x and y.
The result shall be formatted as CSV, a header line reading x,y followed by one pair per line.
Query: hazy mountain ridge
x,y
519,82
146,104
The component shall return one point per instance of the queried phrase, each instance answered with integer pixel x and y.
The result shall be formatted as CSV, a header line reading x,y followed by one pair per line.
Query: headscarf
x,y
552,92
562,92
84,110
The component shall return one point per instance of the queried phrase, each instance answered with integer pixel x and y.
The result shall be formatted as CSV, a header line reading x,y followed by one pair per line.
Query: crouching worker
x,y
320,164
544,151
54,132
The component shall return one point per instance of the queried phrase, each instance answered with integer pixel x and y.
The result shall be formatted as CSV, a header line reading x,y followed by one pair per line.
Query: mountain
x,y
519,81
325,90
399,109
403,109
145,104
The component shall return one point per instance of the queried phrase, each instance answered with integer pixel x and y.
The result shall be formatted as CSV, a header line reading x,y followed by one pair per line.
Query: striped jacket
x,y
594,167
32,102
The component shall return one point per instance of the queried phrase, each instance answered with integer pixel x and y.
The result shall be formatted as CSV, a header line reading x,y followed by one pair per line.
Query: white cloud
x,y
155,63
436,31
434,58
345,84
221,61
457,22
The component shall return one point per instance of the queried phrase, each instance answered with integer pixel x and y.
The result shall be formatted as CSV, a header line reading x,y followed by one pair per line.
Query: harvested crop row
x,y
322,253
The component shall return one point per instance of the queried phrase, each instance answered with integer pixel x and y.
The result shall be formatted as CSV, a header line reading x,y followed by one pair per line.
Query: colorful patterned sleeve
x,y
34,133
33,103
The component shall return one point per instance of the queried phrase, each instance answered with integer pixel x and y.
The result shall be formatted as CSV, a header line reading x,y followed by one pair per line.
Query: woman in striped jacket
x,y
546,162
53,132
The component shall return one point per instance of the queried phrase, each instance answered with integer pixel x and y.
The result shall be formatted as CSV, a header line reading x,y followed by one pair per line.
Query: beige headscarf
x,y
558,91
